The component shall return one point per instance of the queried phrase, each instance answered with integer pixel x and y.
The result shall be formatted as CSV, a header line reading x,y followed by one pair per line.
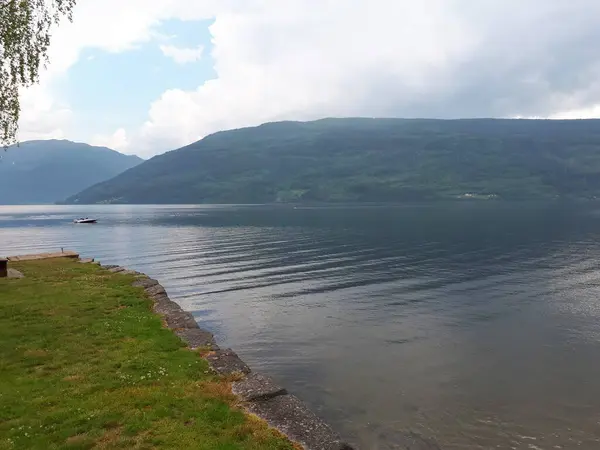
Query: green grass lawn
x,y
84,363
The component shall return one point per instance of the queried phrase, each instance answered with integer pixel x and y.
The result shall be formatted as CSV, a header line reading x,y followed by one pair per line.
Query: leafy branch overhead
x,y
25,27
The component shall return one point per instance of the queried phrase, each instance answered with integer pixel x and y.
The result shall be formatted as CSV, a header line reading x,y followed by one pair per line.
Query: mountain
x,y
365,160
46,171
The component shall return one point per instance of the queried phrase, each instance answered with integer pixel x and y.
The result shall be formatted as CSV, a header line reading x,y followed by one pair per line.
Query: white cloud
x,y
182,55
116,141
304,59
41,116
592,112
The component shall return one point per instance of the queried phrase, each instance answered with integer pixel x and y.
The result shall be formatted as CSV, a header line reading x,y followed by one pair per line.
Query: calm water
x,y
475,324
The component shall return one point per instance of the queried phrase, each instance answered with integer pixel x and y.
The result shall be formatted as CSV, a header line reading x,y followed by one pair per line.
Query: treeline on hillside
x,y
369,160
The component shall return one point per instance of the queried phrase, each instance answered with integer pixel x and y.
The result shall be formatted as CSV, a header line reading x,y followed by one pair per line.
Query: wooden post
x,y
3,267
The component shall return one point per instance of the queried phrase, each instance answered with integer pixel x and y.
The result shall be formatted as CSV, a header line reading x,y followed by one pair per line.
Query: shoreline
x,y
257,394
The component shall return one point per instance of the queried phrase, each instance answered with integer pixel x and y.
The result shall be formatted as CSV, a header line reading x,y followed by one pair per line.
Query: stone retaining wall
x,y
258,394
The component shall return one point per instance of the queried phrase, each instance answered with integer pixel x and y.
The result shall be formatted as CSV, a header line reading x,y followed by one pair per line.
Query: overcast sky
x,y
147,76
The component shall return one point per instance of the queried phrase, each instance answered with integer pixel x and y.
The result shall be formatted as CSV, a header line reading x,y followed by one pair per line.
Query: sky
x,y
148,76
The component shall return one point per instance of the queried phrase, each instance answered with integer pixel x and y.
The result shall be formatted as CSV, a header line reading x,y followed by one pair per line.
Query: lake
x,y
476,324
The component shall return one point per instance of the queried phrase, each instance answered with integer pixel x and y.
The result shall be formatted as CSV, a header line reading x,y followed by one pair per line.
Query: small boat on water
x,y
86,220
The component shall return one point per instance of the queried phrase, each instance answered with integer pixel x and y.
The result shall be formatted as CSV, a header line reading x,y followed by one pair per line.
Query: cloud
x,y
131,24
305,59
182,55
42,117
592,112
116,141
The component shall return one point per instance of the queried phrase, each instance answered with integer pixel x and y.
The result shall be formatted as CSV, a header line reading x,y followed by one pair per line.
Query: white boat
x,y
86,220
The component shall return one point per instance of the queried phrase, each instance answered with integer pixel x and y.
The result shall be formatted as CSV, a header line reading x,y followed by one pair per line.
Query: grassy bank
x,y
84,363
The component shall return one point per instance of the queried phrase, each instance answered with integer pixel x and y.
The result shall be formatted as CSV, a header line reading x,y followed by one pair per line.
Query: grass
x,y
85,364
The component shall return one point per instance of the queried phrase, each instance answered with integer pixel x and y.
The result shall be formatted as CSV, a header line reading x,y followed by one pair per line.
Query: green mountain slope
x,y
47,171
369,160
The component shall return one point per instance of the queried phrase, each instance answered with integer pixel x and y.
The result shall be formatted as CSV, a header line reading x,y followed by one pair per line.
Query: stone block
x,y
257,387
227,362
129,272
163,305
181,319
157,289
145,282
197,338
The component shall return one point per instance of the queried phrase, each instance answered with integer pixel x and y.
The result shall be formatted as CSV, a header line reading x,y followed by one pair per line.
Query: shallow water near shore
x,y
476,324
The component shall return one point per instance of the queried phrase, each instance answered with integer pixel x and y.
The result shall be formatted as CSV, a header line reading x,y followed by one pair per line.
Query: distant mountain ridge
x,y
370,160
46,171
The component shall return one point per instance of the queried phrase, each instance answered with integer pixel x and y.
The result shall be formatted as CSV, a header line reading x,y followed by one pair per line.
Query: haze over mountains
x,y
40,172
369,160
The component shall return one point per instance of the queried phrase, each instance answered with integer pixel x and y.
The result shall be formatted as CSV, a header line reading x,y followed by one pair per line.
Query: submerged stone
x,y
293,418
405,440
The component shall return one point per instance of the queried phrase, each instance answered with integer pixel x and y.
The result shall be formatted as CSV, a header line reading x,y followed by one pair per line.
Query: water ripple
x,y
473,324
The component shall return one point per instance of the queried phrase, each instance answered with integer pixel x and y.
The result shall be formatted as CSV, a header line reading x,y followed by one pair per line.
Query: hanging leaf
x,y
25,27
